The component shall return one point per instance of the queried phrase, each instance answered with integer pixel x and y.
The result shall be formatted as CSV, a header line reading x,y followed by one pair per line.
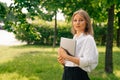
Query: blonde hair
x,y
89,28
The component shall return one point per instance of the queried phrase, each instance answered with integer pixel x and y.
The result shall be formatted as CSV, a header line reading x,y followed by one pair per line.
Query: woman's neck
x,y
79,33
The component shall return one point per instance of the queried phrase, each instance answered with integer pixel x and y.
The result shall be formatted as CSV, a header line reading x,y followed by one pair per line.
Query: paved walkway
x,y
8,39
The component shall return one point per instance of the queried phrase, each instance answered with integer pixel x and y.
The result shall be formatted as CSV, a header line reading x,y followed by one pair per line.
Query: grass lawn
x,y
40,63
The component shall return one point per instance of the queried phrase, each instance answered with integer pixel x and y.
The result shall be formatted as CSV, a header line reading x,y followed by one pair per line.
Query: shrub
x,y
42,34
28,33
100,35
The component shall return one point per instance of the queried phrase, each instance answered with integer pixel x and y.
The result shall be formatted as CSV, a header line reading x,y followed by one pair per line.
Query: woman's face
x,y
79,23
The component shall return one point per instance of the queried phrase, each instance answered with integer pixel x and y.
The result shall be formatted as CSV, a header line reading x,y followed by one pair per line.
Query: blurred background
x,y
30,32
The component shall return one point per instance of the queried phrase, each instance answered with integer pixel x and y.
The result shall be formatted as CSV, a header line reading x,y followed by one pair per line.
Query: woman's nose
x,y
78,22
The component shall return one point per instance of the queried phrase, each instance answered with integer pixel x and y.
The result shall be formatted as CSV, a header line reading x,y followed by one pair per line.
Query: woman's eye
x,y
81,20
78,20
74,20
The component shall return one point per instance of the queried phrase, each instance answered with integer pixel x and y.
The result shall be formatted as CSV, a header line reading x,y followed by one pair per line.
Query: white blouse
x,y
86,51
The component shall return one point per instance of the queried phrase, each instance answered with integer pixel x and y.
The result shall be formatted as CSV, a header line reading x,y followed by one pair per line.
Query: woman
x,y
86,56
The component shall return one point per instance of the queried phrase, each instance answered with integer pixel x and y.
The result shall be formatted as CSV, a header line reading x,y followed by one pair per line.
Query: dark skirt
x,y
74,73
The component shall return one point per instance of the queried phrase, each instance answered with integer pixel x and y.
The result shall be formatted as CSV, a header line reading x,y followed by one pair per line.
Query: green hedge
x,y
28,33
41,35
44,34
100,35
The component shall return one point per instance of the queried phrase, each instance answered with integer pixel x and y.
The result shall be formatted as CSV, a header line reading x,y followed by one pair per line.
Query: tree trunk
x,y
109,42
118,33
55,30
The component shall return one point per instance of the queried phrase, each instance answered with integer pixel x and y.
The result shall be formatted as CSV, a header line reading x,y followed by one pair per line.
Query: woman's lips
x,y
77,26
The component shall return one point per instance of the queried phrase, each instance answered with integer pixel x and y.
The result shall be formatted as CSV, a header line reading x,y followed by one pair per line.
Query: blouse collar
x,y
77,37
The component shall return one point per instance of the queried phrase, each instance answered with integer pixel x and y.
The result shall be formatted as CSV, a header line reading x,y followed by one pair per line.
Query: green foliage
x,y
100,35
42,34
3,11
44,10
64,32
46,34
27,33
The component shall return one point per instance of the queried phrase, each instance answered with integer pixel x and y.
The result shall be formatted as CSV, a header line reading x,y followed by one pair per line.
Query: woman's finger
x,y
60,60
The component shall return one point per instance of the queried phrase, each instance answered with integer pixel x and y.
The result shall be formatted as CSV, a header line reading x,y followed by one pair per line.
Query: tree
x,y
54,8
109,44
43,9
109,40
55,30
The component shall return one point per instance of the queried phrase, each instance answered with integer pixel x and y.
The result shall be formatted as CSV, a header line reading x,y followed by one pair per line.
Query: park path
x,y
8,39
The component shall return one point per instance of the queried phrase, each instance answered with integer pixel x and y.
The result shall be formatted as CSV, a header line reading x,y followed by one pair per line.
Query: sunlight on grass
x,y
104,75
117,73
16,76
8,54
30,62
102,49
10,76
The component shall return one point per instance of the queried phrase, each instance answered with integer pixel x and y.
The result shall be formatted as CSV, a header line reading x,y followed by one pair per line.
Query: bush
x,y
41,35
28,33
64,32
46,35
100,35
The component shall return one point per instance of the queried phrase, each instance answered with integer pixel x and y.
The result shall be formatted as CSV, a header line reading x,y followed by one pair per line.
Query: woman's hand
x,y
62,56
61,60
62,53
